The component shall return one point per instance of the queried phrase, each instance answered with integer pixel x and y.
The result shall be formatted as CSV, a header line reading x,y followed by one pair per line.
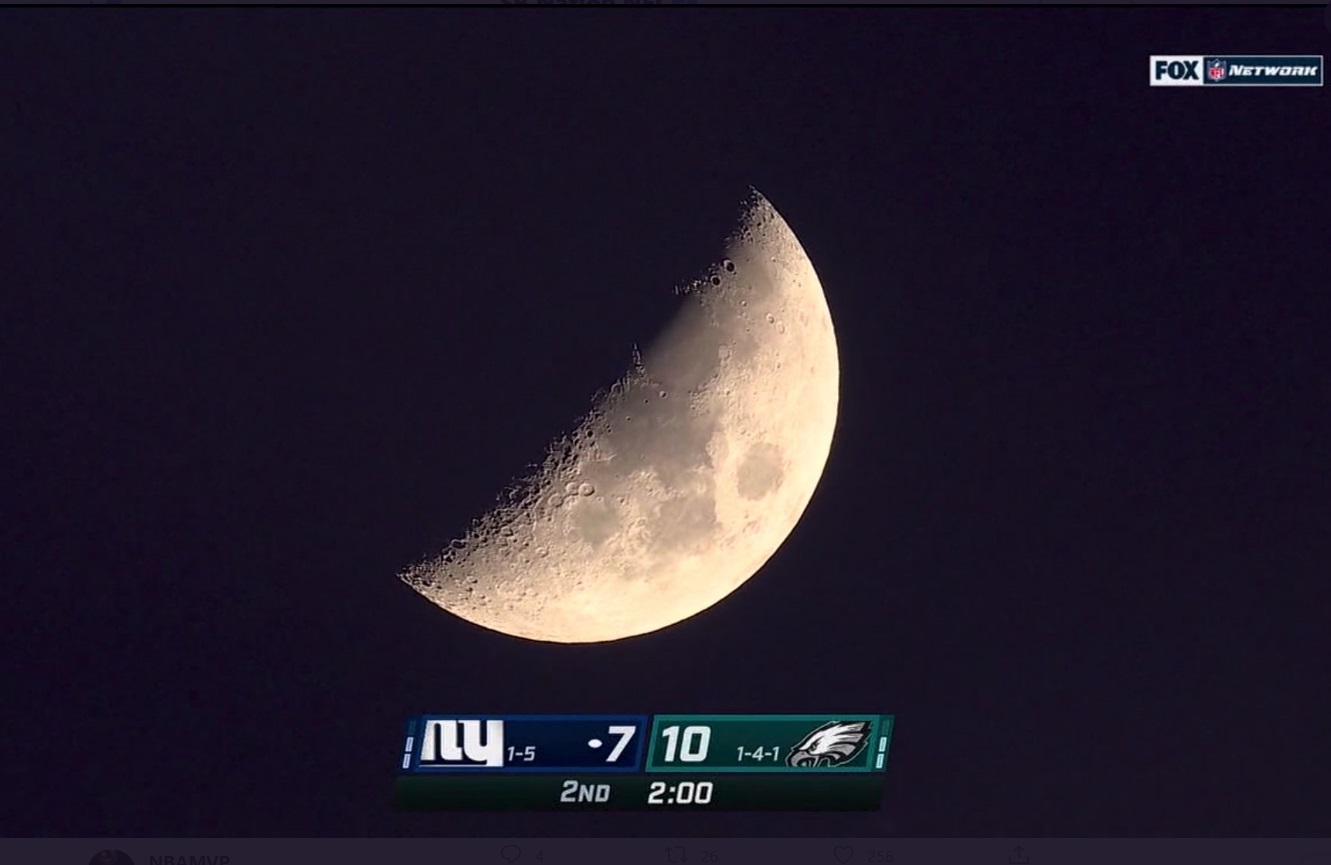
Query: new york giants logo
x,y
462,743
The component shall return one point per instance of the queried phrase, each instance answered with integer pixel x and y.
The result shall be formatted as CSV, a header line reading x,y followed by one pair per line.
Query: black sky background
x,y
291,295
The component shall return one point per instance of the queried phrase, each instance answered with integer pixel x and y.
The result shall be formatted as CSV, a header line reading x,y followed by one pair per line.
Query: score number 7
x,y
625,733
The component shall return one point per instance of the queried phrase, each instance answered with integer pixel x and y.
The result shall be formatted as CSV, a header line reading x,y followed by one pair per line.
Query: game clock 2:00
x,y
658,792
679,793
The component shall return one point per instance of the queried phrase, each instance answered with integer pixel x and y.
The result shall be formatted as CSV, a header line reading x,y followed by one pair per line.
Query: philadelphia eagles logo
x,y
834,744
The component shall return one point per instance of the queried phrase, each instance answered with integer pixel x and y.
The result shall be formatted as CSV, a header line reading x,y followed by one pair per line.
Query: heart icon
x,y
843,853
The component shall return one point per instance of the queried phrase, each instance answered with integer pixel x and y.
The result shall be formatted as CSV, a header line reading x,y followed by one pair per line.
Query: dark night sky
x,y
291,295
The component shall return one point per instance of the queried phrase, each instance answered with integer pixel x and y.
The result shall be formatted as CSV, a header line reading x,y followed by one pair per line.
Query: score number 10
x,y
690,744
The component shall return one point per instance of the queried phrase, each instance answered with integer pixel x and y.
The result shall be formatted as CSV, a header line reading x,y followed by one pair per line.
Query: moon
x,y
685,477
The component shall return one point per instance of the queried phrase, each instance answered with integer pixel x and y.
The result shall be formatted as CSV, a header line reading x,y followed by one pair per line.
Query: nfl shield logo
x,y
1216,70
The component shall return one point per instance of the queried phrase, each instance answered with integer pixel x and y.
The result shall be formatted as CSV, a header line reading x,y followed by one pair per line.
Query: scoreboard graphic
x,y
633,762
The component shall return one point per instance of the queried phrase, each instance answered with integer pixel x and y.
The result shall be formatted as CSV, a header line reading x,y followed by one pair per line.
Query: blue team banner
x,y
524,743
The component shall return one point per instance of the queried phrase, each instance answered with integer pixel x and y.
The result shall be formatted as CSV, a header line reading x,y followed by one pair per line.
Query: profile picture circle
x,y
111,857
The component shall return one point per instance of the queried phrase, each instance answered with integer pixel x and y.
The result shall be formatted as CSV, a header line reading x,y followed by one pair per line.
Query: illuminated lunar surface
x,y
684,478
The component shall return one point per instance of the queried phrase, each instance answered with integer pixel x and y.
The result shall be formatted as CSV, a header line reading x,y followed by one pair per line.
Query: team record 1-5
x,y
825,762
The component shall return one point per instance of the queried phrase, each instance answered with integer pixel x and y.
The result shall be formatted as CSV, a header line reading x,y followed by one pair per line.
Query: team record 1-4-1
x,y
827,762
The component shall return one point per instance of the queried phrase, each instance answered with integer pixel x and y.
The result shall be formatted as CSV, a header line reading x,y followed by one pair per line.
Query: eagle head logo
x,y
833,744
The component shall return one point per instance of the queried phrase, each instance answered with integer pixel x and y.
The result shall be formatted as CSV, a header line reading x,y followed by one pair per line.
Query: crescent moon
x,y
685,477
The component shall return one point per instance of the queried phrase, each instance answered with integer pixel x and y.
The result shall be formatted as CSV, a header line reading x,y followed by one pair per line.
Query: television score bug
x,y
610,762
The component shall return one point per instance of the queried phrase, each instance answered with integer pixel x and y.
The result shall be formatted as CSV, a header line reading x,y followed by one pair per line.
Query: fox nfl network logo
x,y
1237,70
